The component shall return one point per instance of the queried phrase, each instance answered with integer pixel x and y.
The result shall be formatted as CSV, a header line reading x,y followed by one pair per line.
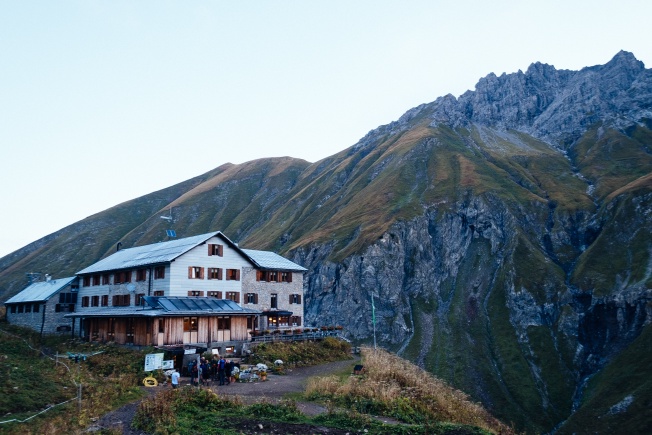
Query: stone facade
x,y
283,291
47,319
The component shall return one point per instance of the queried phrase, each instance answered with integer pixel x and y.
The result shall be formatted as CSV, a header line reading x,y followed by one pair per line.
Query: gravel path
x,y
274,390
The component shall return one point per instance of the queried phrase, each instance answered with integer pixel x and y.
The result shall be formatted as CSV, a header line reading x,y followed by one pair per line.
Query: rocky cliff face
x,y
505,237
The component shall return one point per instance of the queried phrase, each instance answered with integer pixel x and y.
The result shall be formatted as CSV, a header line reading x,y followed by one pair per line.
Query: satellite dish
x,y
131,288
168,218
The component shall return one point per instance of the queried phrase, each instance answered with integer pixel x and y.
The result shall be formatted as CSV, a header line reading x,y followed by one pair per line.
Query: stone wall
x,y
50,321
265,289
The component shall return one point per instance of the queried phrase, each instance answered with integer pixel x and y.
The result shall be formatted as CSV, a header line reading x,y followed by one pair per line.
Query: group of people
x,y
218,369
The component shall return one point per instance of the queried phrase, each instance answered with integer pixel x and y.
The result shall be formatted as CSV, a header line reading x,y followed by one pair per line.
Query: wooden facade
x,y
167,330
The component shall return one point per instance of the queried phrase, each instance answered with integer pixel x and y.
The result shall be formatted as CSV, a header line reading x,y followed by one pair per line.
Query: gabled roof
x,y
165,252
271,260
156,253
41,291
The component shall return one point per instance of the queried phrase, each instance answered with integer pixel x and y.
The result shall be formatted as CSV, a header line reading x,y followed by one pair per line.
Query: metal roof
x,y
271,260
157,306
165,252
40,291
156,253
182,304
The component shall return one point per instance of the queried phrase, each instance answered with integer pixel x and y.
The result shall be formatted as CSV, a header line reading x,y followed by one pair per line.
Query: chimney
x,y
118,247
48,277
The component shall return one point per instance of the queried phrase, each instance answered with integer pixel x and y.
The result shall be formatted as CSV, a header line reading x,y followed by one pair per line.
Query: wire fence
x,y
57,361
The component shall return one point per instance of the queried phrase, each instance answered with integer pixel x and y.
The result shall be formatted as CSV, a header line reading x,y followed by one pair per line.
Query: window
x,y
272,276
161,325
215,250
195,293
223,323
159,292
95,301
64,308
195,272
87,281
295,299
295,320
190,324
67,298
36,308
13,309
214,273
139,299
121,300
105,300
284,321
252,322
286,276
28,308
106,279
215,294
159,272
122,277
233,274
273,302
20,308
64,328
97,279
252,298
141,274
233,296
84,301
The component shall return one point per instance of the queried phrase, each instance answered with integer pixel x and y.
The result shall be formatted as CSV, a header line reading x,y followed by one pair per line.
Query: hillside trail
x,y
273,390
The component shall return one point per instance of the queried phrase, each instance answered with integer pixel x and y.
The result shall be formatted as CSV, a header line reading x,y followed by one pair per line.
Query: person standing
x,y
221,367
175,378
227,371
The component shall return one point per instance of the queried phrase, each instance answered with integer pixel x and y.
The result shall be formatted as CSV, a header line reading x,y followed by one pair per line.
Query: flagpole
x,y
373,317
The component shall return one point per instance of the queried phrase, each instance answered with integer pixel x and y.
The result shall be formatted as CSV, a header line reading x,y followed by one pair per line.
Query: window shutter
x,y
237,274
127,300
258,275
219,295
237,298
189,271
210,249
278,276
291,298
219,273
298,299
255,298
299,320
114,300
289,276
220,250
201,273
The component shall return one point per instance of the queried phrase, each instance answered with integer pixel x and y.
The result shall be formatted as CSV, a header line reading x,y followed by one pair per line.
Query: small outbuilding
x,y
42,306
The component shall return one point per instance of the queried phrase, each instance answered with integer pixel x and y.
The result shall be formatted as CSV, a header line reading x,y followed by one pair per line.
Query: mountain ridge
x,y
506,233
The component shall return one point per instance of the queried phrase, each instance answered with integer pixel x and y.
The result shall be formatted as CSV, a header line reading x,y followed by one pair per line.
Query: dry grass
x,y
398,386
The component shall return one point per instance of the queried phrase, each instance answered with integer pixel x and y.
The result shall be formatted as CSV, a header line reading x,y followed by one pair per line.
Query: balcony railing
x,y
303,336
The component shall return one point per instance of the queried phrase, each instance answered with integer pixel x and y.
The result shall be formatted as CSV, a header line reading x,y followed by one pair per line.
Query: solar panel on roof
x,y
171,233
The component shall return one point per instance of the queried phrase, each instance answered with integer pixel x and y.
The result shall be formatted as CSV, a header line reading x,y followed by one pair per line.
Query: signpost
x,y
153,361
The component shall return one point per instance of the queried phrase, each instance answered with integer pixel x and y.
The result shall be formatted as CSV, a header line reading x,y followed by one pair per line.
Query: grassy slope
x,y
32,381
629,375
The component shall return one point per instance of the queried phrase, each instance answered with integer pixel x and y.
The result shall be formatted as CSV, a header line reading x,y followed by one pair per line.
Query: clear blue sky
x,y
105,101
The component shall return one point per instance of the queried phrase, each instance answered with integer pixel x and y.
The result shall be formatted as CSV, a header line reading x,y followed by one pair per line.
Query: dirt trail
x,y
274,390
